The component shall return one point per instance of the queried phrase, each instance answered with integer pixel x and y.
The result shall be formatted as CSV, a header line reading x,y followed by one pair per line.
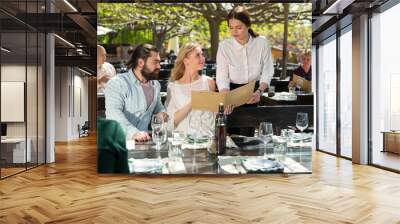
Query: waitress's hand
x,y
228,109
255,98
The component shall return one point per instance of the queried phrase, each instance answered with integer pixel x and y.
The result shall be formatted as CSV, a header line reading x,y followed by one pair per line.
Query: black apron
x,y
246,131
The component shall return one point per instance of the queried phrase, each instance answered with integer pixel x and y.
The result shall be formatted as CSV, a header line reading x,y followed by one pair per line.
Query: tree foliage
x,y
206,22
164,21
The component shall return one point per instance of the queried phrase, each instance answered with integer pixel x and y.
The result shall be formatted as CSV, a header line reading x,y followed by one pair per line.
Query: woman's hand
x,y
180,114
164,116
255,98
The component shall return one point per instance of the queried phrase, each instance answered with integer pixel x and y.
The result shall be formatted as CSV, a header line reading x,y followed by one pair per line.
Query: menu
x,y
209,101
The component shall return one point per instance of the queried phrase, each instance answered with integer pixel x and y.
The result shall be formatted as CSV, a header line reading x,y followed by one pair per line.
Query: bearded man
x,y
133,97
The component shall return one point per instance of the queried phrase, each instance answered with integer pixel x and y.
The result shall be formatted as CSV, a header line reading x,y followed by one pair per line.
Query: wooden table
x,y
391,141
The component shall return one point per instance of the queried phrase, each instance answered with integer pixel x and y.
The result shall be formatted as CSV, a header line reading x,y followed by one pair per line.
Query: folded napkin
x,y
262,165
231,164
176,166
284,96
204,144
146,165
243,141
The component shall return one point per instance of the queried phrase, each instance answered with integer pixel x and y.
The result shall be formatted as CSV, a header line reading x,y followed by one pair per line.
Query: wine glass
x,y
159,132
156,120
265,133
302,123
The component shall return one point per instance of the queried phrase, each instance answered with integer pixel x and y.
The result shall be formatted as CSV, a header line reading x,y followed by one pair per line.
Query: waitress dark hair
x,y
240,13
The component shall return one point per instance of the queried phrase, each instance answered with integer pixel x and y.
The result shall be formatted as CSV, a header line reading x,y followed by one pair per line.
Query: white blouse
x,y
178,96
241,64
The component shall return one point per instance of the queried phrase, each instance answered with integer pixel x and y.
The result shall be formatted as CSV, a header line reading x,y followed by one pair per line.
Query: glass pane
x,y
386,89
31,98
327,97
346,94
41,99
13,85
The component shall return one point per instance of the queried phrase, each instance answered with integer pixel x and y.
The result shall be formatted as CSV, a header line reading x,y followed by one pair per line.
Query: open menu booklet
x,y
209,101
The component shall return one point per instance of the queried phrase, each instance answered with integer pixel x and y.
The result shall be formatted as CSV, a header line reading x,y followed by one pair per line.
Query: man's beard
x,y
149,75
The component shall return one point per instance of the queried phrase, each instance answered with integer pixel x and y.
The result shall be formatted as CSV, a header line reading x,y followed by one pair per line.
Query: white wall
x,y
71,93
61,103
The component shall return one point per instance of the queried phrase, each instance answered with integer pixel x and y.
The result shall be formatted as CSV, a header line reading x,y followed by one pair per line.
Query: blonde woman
x,y
185,78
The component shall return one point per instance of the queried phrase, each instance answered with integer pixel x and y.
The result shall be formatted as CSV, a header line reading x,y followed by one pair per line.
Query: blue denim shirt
x,y
126,103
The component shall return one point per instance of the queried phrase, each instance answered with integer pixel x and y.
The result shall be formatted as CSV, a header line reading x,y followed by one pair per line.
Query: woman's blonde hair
x,y
179,68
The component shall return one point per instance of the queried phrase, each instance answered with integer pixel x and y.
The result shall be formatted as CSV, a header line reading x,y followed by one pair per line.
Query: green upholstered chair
x,y
112,155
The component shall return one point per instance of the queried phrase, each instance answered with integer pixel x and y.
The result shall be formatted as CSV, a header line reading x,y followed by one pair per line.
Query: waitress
x,y
244,57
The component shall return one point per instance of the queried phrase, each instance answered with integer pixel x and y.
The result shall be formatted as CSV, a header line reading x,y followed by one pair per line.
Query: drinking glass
x,y
159,135
287,134
195,125
177,140
280,148
271,91
292,90
265,133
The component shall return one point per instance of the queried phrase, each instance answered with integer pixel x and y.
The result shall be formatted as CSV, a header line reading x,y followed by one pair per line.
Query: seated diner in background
x,y
303,71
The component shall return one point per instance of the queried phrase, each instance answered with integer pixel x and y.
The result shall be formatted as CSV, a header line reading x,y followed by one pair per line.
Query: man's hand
x,y
141,136
164,116
255,98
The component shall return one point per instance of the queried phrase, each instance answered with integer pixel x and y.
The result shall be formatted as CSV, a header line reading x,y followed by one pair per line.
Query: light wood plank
x,y
70,191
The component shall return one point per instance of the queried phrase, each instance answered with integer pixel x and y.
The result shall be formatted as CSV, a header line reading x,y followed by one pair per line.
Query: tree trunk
x,y
285,40
158,40
214,36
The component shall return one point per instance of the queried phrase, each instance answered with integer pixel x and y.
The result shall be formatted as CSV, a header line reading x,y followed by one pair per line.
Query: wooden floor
x,y
10,171
386,159
70,191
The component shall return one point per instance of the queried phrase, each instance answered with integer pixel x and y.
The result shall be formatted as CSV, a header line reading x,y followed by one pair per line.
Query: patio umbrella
x,y
101,30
